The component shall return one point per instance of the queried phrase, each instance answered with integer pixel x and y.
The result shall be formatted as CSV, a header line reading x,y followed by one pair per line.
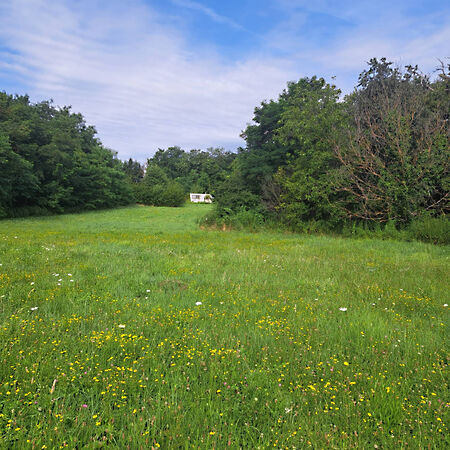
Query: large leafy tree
x,y
395,160
53,161
196,170
17,181
263,153
310,126
134,170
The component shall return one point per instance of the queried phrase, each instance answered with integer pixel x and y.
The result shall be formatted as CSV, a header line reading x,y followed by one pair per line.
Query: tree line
x,y
172,173
52,162
378,156
312,160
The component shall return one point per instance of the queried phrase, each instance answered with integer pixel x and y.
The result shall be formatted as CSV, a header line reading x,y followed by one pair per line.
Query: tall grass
x,y
134,328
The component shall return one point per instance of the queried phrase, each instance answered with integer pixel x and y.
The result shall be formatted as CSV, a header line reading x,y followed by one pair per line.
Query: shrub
x,y
167,194
431,229
249,219
173,195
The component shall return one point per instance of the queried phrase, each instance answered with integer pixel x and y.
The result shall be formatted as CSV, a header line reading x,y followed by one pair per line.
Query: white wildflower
x,y
121,326
198,303
34,308
342,308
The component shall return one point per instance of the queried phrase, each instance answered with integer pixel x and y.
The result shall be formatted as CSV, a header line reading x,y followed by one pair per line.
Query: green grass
x,y
119,354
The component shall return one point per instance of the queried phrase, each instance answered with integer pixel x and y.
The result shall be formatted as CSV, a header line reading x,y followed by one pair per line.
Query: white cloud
x,y
133,78
208,12
133,74
363,30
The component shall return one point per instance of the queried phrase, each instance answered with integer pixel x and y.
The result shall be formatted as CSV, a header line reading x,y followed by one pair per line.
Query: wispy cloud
x,y
147,90
134,73
196,6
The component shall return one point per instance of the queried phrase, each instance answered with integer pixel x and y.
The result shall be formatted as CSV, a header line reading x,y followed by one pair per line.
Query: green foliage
x,y
263,154
311,125
242,219
431,229
196,170
158,190
319,163
152,195
134,170
51,161
155,175
173,195
395,161
17,181
233,196
434,230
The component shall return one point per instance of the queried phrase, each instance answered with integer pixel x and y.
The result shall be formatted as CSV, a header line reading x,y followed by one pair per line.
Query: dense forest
x,y
51,162
313,160
380,155
171,174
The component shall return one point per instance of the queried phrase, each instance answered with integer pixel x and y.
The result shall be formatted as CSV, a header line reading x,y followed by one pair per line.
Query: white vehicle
x,y
201,198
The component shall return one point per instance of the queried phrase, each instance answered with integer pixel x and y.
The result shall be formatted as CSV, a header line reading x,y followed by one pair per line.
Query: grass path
x,y
133,327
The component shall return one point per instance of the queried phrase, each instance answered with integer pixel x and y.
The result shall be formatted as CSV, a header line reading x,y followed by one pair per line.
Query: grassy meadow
x,y
134,328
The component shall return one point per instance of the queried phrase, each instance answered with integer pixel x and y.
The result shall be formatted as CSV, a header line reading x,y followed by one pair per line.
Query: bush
x,y
249,219
167,194
431,229
173,195
435,230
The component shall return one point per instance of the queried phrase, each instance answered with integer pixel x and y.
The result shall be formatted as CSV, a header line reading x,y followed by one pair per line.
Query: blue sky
x,y
154,73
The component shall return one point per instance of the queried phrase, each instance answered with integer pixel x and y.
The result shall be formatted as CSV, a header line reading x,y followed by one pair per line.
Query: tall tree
x,y
311,126
394,164
134,170
54,161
